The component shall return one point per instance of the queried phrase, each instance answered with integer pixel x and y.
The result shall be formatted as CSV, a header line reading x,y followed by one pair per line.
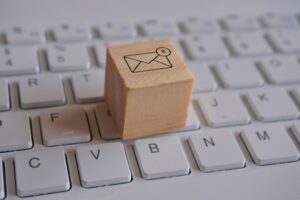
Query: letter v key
x,y
96,156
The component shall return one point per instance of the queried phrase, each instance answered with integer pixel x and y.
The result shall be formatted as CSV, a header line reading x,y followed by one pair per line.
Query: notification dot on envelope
x,y
148,88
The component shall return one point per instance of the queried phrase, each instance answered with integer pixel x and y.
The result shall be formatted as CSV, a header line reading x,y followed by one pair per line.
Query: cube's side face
x,y
115,93
157,110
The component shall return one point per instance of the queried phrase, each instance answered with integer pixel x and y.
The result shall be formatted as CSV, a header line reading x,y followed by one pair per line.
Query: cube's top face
x,y
149,64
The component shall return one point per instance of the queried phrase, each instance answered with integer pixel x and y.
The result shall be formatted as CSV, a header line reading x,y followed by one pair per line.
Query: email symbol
x,y
149,61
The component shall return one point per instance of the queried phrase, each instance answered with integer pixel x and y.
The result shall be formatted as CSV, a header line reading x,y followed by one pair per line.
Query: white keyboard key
x,y
88,86
285,40
64,126
158,28
15,131
117,30
4,97
2,188
196,25
67,57
272,105
276,20
108,129
296,130
223,109
248,44
236,22
41,91
22,35
216,150
153,155
236,74
281,70
41,172
101,47
18,60
205,47
97,168
270,144
296,94
204,80
71,33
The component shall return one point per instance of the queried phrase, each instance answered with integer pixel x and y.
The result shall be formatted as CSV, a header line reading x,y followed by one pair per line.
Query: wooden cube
x,y
148,88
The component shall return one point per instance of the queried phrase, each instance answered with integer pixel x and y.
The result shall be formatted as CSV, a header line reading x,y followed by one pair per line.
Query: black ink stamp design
x,y
149,61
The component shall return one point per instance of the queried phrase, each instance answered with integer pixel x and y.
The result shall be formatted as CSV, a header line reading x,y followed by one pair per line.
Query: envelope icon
x,y
149,61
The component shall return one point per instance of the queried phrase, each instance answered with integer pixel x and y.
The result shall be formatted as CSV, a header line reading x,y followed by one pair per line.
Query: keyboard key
x,y
117,30
67,57
285,40
248,44
276,20
18,60
88,86
205,47
196,25
204,80
158,28
70,33
4,98
296,94
153,155
216,150
269,144
2,188
281,70
272,105
236,74
236,22
41,172
41,91
296,131
64,126
223,109
14,137
108,129
101,47
97,168
21,35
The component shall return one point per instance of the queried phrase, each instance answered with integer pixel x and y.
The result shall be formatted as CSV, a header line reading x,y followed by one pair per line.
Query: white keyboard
x,y
57,140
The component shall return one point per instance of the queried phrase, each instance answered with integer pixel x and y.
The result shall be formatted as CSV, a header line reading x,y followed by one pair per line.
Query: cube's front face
x,y
156,87
156,110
